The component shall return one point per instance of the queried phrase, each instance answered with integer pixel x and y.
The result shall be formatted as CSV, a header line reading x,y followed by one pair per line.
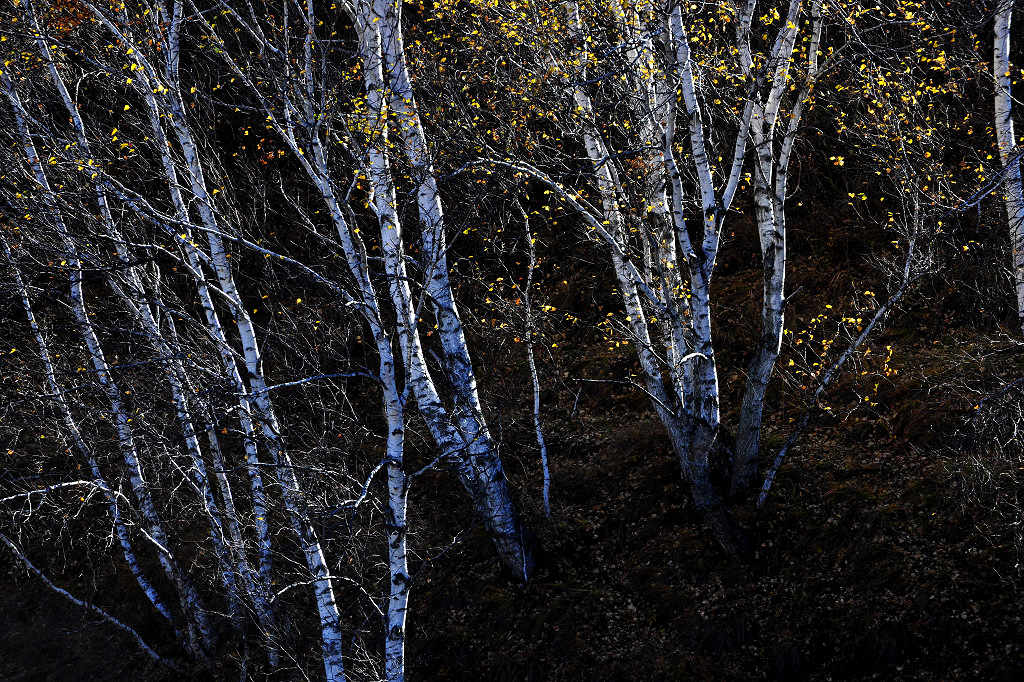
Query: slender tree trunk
x,y
323,591
534,377
773,244
87,605
771,173
1013,188
398,564
456,433
257,394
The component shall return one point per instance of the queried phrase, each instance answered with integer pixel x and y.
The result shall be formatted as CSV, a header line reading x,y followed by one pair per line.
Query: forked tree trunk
x,y
466,440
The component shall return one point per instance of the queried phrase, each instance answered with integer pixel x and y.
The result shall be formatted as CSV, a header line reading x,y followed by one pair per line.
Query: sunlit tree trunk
x,y
466,440
397,535
1009,152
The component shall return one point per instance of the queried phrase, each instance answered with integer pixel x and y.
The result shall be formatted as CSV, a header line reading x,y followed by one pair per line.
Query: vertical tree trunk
x,y
771,172
398,564
1013,188
461,435
534,378
773,245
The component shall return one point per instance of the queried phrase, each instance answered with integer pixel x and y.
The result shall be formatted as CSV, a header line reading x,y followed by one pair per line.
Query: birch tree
x,y
1009,153
198,627
144,307
642,198
150,51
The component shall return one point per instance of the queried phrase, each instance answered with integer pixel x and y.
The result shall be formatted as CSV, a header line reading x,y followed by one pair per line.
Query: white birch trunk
x,y
1013,188
397,525
437,284
771,173
534,378
298,125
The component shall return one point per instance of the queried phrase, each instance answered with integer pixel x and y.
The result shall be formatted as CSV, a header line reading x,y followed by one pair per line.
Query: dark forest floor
x,y
865,570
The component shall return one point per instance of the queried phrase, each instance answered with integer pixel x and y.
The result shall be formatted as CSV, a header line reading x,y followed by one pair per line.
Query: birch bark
x,y
466,440
771,174
1009,150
